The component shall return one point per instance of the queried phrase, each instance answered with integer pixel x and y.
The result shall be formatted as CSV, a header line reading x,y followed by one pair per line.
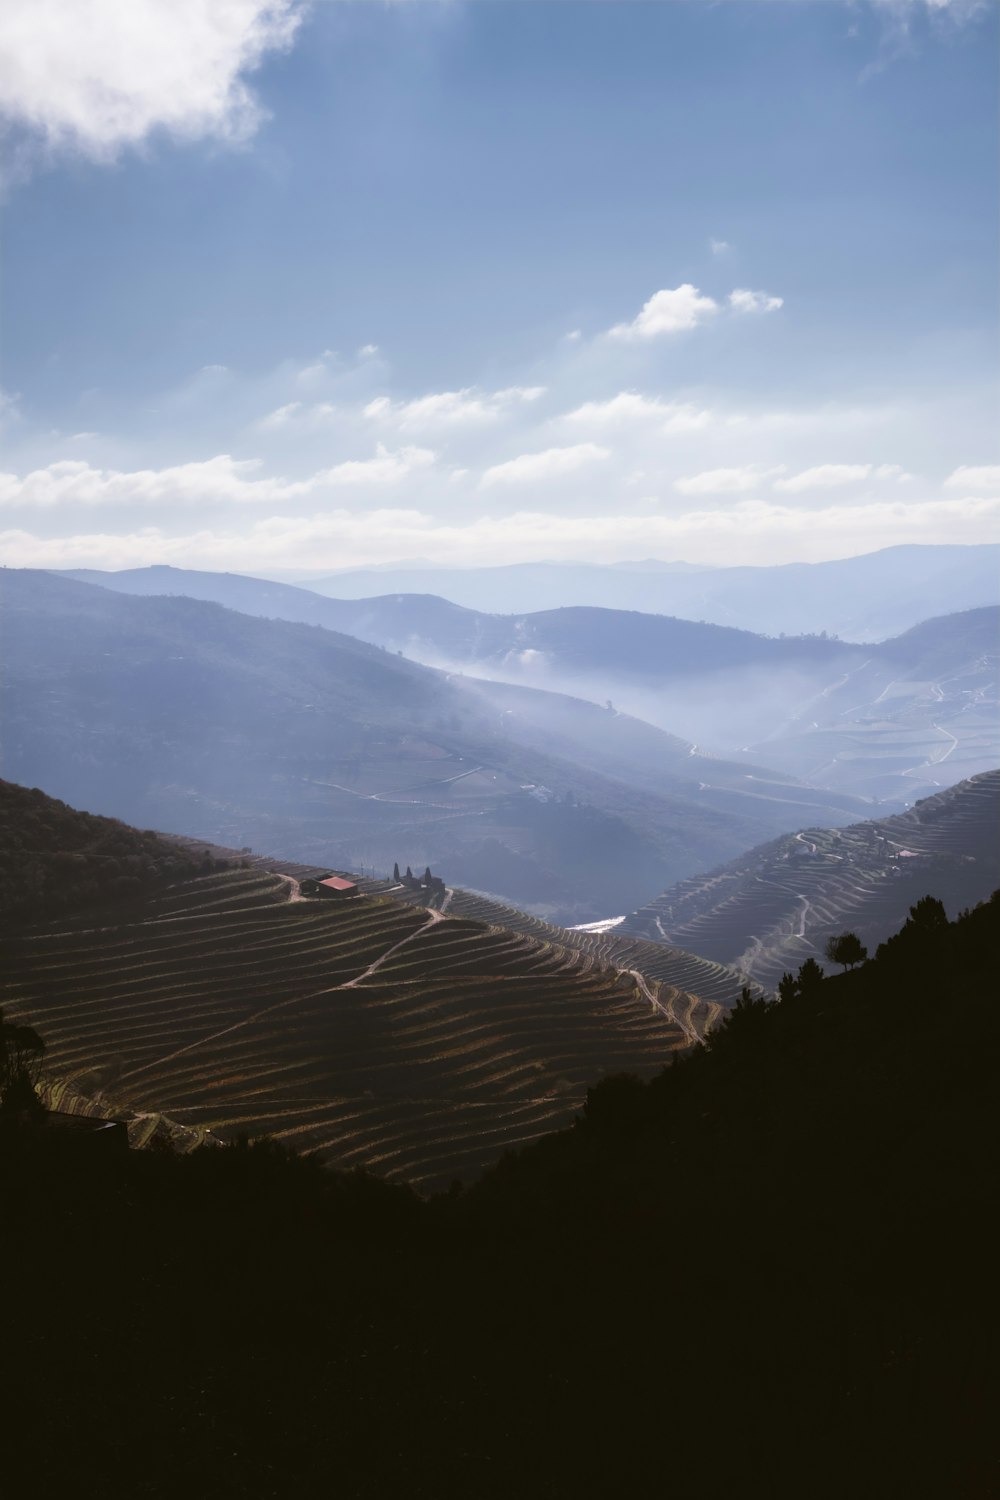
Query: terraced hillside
x,y
372,1032
776,906
712,987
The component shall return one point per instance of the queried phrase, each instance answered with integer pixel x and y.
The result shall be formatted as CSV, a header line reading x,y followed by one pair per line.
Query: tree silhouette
x,y
788,988
928,914
810,977
846,949
21,1050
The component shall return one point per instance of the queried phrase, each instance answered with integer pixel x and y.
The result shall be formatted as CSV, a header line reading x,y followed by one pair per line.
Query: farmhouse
x,y
330,888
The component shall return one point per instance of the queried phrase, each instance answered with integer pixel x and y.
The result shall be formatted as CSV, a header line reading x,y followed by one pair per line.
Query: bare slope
x,y
777,905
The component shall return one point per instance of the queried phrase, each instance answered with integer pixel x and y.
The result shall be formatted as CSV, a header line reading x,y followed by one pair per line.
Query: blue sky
x,y
300,287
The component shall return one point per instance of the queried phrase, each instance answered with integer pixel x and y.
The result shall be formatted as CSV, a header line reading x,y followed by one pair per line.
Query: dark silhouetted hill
x,y
769,1270
55,860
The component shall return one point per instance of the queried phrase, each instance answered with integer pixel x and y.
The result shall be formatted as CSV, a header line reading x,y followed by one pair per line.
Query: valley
x,y
890,720
179,714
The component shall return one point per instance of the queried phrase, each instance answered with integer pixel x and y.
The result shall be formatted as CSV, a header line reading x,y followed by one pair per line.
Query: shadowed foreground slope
x,y
767,1272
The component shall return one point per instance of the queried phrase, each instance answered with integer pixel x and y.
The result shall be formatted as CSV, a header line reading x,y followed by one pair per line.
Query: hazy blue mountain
x,y
890,721
180,714
861,598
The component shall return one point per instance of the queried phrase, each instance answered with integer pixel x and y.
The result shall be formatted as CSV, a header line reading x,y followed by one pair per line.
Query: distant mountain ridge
x,y
875,720
863,598
174,713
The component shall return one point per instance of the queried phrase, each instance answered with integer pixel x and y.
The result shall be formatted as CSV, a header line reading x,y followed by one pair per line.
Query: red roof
x,y
335,883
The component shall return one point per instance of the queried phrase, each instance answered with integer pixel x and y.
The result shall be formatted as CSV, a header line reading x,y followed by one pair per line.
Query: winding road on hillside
x,y
401,801
670,1011
433,917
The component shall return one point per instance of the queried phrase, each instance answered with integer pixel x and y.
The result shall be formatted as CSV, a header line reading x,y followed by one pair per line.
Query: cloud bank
x,y
95,77
750,531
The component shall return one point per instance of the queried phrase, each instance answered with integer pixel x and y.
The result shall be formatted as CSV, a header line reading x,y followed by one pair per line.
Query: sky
x,y
294,287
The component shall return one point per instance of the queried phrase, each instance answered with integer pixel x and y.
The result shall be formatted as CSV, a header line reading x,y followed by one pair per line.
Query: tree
x,y
809,978
746,1026
21,1051
846,949
928,914
395,871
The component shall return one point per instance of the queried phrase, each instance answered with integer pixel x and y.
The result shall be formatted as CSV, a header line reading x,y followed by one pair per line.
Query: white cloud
x,y
98,76
720,481
667,311
553,463
748,531
967,476
959,10
630,408
312,374
744,301
280,417
10,408
367,350
218,480
384,468
719,247
829,476
519,393
444,409
75,482
462,408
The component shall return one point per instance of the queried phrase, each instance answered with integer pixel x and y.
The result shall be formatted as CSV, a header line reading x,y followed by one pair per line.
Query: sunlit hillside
x,y
373,1032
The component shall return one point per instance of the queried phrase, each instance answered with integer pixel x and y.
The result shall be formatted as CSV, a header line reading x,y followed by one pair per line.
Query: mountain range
x,y
864,598
180,714
889,721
